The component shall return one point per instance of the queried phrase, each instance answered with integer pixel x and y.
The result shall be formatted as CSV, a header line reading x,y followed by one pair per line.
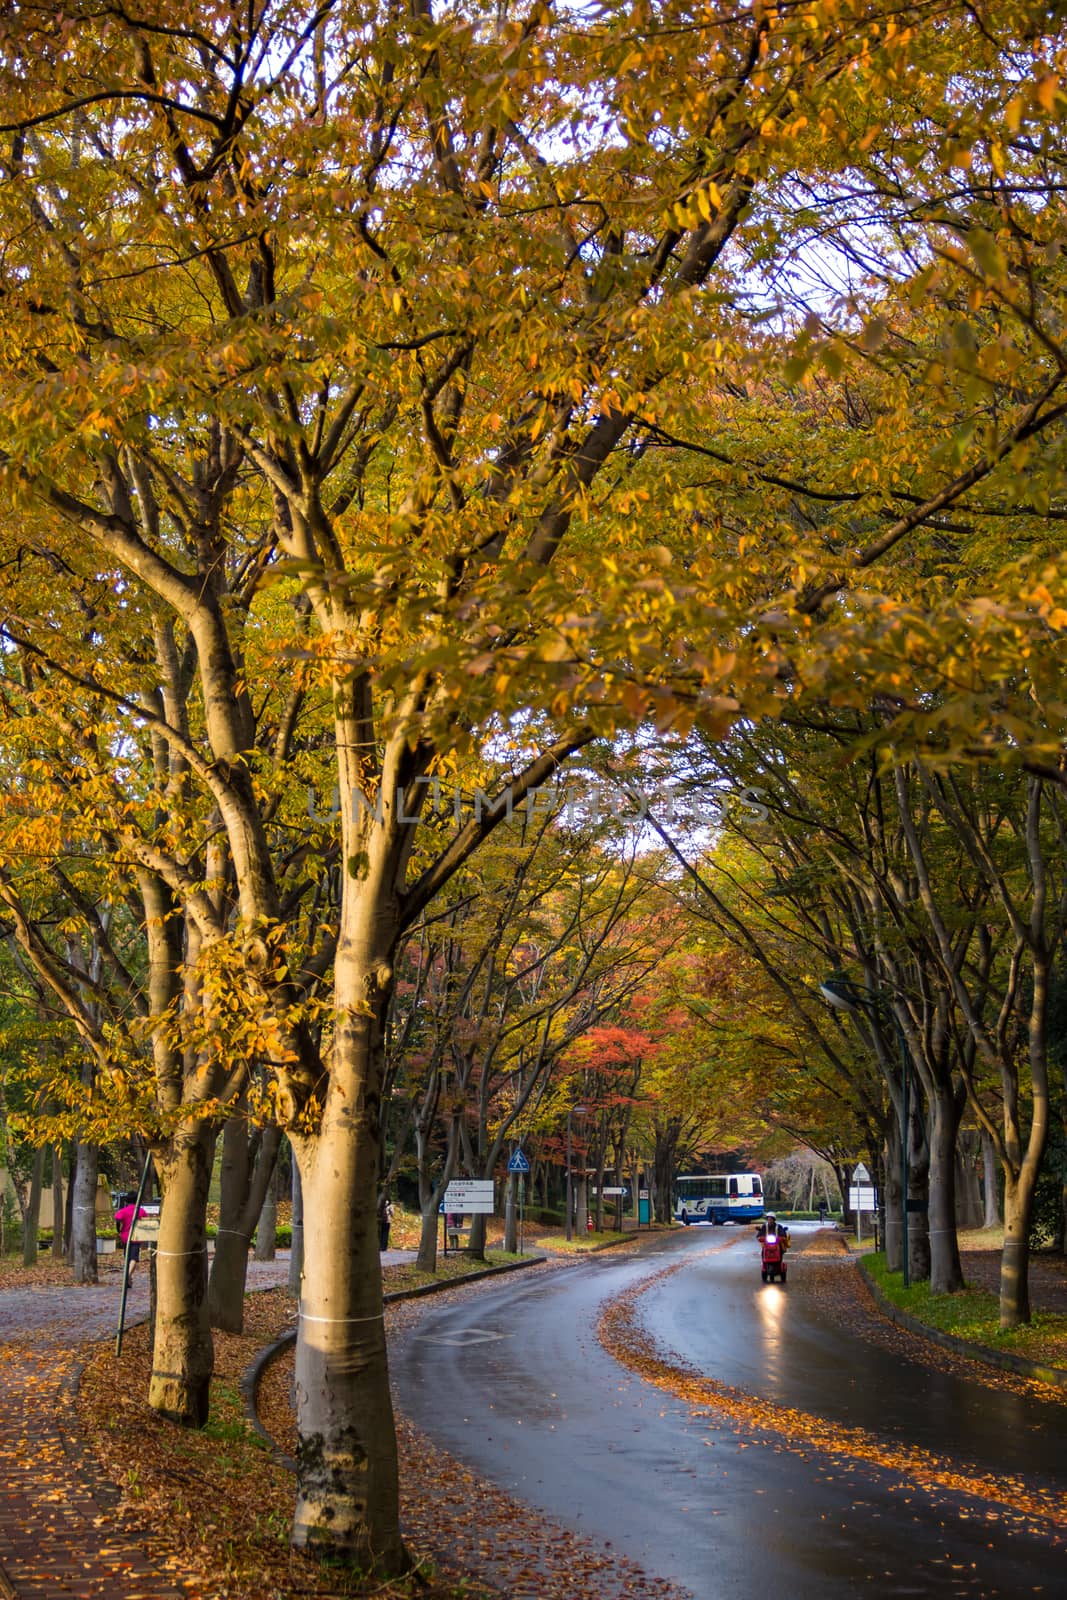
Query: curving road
x,y
515,1382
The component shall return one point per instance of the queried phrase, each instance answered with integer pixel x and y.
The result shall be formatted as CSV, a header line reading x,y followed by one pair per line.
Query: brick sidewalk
x,y
56,1538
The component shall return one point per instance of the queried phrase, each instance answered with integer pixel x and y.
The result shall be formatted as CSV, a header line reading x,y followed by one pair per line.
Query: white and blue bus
x,y
719,1197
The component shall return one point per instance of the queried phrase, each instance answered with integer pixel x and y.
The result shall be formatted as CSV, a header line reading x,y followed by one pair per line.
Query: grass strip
x,y
973,1315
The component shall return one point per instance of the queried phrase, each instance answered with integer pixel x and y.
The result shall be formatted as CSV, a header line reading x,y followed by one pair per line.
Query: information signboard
x,y
469,1197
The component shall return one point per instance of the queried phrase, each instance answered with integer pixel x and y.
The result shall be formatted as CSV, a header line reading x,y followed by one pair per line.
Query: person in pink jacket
x,y
125,1217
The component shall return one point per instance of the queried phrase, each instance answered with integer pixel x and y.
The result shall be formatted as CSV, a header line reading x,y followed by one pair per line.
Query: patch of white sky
x,y
287,61
639,789
845,244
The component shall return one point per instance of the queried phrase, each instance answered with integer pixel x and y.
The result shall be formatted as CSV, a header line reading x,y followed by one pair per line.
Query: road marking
x,y
468,1336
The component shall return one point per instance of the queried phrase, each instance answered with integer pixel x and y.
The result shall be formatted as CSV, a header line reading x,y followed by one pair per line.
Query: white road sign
x,y
469,1196
861,1197
860,1174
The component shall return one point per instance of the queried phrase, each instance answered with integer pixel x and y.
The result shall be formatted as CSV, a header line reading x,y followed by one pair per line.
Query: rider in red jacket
x,y
770,1224
774,1242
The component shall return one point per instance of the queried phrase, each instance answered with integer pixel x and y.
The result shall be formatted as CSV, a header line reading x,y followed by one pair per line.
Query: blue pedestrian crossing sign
x,y
518,1162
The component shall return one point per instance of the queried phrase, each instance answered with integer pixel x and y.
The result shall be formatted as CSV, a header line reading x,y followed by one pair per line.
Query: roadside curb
x,y
253,1374
1056,1377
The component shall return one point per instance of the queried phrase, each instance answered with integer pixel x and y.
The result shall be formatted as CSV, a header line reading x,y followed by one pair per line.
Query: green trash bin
x,y
643,1210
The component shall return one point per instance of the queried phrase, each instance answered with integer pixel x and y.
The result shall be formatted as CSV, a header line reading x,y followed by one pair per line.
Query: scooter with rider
x,y
774,1242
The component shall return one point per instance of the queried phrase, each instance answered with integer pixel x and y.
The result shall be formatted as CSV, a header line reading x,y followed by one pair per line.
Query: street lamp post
x,y
841,992
570,1192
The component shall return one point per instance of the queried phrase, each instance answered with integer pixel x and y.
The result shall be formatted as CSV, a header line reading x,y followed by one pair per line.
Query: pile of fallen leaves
x,y
509,1547
213,1508
624,1336
555,1241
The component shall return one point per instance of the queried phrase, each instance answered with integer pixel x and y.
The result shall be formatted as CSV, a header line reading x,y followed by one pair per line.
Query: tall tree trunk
x,y
428,1242
600,1165
581,1203
990,1197
662,1175
1020,1180
968,1188
347,1490
68,1214
32,1218
476,1236
894,1224
182,1350
57,1202
1059,1234
511,1219
83,1213
227,1276
267,1224
242,1190
1015,1257
918,1226
946,1273
229,1267
430,1193
296,1243
848,1216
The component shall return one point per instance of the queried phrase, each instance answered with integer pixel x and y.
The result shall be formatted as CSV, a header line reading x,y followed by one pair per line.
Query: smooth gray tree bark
x,y
31,1220
83,1213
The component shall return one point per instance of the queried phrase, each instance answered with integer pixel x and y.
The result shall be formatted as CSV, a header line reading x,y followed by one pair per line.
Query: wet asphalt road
x,y
514,1382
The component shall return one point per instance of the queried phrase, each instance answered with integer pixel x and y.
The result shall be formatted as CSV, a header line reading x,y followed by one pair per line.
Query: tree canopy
x,y
378,382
